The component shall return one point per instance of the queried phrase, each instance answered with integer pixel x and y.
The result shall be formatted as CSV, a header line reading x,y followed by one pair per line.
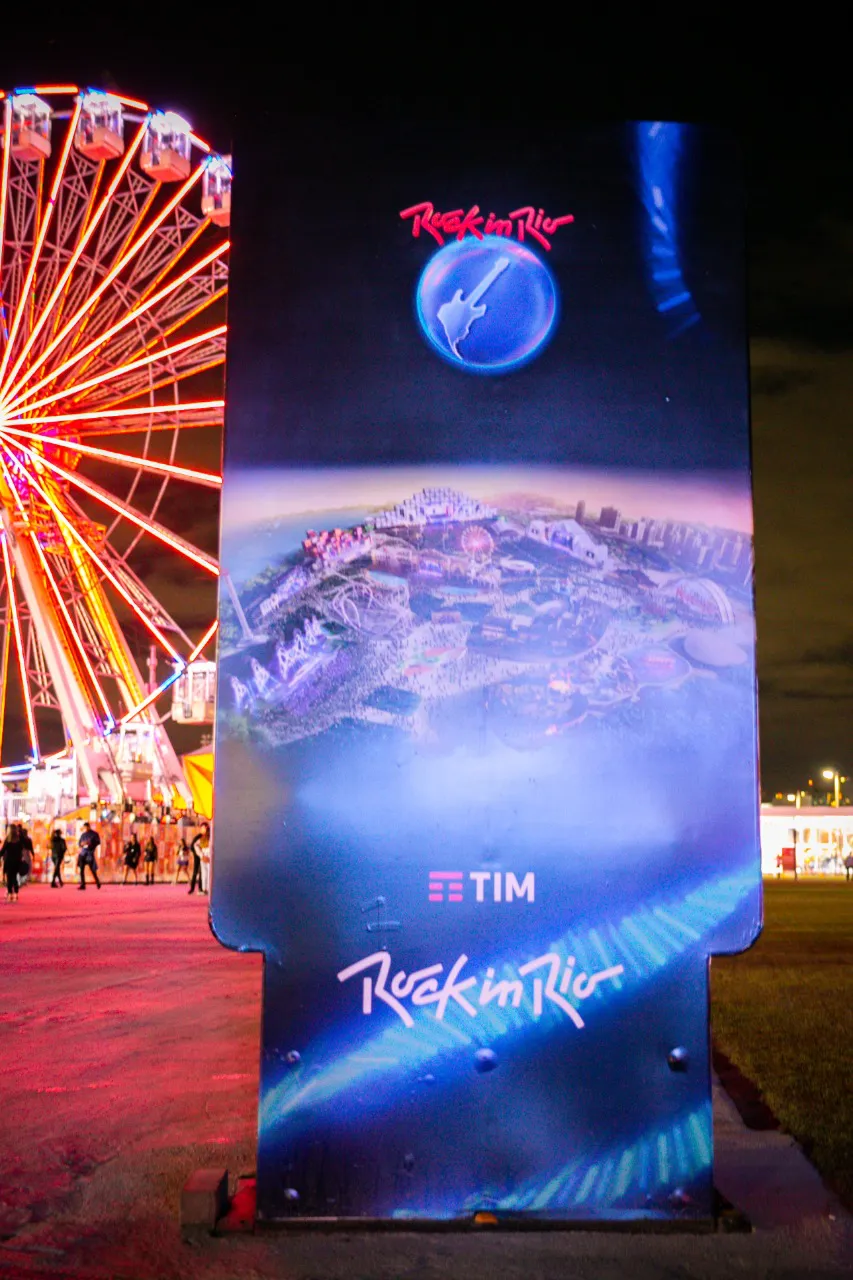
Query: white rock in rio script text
x,y
426,987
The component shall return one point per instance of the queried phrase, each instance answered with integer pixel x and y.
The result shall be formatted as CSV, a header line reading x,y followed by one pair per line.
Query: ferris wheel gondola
x,y
113,278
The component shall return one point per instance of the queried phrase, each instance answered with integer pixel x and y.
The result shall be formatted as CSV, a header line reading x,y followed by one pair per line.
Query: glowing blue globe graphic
x,y
487,306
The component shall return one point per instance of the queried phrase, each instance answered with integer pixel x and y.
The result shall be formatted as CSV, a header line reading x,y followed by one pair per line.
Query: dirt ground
x,y
129,1049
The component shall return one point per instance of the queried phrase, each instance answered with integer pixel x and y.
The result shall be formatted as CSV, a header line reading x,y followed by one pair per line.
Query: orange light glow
x,y
56,88
204,641
121,508
4,180
152,697
188,407
73,632
26,288
120,370
19,646
114,271
122,459
107,572
11,401
131,102
80,248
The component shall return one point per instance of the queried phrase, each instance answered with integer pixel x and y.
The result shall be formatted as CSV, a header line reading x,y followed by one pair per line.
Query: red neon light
x,y
155,631
526,221
62,606
75,257
123,459
114,271
94,491
144,411
204,641
120,370
7,156
71,627
40,239
12,399
152,697
19,646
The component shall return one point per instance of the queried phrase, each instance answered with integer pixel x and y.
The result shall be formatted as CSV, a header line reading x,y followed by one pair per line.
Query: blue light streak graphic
x,y
659,148
678,1151
645,942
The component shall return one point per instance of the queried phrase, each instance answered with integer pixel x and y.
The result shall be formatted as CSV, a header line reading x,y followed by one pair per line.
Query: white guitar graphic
x,y
459,313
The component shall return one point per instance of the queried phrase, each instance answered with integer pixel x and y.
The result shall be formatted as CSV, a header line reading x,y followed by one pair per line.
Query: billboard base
x,y
240,1218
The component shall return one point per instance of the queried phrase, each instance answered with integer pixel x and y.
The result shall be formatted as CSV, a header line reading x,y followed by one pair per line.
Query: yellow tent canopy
x,y
198,768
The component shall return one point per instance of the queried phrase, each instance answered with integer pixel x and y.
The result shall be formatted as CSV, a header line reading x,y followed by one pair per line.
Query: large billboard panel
x,y
486,791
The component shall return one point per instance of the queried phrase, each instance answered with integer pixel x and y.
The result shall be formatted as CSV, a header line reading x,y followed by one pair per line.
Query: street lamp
x,y
833,776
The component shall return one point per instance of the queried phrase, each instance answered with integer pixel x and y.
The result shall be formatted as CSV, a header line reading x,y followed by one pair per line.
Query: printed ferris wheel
x,y
113,276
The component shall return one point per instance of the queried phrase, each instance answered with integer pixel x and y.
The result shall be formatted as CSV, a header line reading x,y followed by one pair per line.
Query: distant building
x,y
609,518
568,536
580,511
654,534
433,505
820,836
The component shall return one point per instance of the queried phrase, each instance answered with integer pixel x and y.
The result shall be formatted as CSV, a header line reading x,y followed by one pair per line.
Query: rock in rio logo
x,y
526,221
486,302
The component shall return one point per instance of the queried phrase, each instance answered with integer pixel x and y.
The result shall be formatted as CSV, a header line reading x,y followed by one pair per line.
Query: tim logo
x,y
489,886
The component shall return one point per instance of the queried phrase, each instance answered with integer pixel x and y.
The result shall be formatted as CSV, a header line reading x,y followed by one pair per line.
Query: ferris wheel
x,y
113,277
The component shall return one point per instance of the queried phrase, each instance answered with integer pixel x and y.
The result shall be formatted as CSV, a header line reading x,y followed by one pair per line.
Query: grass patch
x,y
783,1013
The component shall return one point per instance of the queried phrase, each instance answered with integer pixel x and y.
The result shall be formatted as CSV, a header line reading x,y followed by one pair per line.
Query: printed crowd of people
x,y
18,859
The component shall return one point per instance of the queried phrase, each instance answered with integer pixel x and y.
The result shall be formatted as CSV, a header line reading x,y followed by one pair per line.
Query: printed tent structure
x,y
198,768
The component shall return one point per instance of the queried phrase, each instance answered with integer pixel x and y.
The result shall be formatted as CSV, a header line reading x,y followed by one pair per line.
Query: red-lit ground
x,y
128,1058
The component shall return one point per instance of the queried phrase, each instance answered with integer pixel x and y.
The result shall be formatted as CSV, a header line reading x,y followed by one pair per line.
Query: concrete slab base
x,y
204,1199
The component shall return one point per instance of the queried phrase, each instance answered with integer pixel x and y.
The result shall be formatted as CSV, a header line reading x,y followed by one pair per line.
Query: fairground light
x,y
113,275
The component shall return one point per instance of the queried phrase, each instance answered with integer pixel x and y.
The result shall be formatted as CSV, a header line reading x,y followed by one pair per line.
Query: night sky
x,y
790,111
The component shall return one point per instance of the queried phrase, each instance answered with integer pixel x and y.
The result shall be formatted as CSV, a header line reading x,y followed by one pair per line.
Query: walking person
x,y
182,861
197,848
150,860
28,854
11,855
132,856
58,849
89,841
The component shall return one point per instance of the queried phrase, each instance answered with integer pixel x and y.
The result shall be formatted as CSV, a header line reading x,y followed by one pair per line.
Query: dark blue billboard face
x,y
486,789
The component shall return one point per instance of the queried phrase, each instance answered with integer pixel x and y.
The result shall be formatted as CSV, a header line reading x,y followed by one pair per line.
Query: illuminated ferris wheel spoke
x,y
13,396
147,618
53,586
5,161
26,294
61,290
113,276
173,540
19,647
143,411
131,460
74,390
75,326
